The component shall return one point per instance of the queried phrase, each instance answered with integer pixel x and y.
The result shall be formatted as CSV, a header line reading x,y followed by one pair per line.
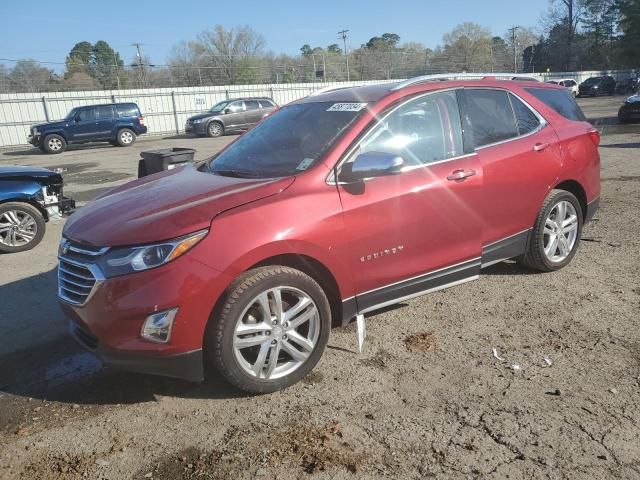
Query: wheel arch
x,y
28,201
577,190
61,133
316,270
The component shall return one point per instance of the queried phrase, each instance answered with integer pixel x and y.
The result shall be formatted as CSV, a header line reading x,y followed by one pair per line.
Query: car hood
x,y
203,115
633,99
57,123
16,172
163,206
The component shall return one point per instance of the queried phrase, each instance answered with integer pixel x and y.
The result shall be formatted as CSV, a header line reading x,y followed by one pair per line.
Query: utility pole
x,y
343,35
140,64
115,62
513,31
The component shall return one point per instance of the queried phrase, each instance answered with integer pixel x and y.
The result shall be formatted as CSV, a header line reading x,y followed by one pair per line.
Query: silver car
x,y
230,116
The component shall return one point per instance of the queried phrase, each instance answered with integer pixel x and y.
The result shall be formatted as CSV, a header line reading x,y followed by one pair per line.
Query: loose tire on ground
x,y
22,227
242,302
126,137
544,231
54,143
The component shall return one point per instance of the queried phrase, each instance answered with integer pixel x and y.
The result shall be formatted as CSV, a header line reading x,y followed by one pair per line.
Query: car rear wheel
x,y
270,330
54,143
22,227
125,137
556,234
215,129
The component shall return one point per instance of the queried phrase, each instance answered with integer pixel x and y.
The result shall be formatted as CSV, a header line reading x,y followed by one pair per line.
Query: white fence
x,y
166,109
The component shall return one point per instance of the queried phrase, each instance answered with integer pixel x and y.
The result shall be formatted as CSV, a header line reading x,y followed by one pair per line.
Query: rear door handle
x,y
538,147
458,175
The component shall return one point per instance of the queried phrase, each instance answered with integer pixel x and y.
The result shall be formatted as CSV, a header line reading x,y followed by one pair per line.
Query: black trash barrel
x,y
154,161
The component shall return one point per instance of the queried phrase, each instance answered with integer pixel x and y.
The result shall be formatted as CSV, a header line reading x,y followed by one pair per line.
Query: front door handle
x,y
539,147
459,175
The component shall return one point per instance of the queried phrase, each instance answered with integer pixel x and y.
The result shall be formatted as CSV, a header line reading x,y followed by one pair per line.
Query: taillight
x,y
594,135
141,118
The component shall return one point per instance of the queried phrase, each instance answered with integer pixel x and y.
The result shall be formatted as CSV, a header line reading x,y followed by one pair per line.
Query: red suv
x,y
338,204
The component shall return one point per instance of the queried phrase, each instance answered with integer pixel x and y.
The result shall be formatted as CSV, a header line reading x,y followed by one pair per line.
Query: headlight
x,y
197,120
123,260
35,132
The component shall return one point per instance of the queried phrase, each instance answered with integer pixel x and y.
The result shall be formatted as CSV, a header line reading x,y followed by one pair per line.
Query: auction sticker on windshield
x,y
346,107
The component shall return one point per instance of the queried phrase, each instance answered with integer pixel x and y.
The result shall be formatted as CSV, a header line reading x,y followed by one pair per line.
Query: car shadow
x,y
70,148
53,367
508,268
50,365
621,145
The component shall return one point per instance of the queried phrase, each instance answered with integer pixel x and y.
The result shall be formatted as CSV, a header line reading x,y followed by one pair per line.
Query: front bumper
x,y
187,366
196,128
34,140
109,323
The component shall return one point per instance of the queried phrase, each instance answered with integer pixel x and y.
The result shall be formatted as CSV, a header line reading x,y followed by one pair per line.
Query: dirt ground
x,y
429,397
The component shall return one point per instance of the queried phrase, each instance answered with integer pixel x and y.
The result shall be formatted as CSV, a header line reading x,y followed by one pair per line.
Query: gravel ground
x,y
426,398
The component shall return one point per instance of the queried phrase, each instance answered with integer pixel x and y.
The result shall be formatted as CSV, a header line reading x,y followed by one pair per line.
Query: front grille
x,y
75,281
77,274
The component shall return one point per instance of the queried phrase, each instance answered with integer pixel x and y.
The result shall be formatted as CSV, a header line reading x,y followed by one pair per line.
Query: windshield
x,y
592,80
288,142
218,107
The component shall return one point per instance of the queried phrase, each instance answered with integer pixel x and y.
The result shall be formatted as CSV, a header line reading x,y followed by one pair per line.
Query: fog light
x,y
157,327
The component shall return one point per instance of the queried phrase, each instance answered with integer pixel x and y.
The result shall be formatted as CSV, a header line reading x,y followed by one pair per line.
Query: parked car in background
x,y
630,109
116,123
230,116
595,86
29,197
569,83
629,85
338,204
525,79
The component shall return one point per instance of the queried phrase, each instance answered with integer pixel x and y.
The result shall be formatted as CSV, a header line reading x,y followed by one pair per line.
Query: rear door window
x,y
266,104
559,100
252,104
104,112
491,116
526,120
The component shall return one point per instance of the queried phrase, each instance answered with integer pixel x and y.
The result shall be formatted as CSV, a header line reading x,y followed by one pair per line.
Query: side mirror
x,y
226,111
370,165
77,118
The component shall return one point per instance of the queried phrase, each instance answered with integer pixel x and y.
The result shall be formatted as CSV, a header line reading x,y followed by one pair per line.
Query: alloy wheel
x,y
215,129
126,137
54,144
17,228
560,231
276,333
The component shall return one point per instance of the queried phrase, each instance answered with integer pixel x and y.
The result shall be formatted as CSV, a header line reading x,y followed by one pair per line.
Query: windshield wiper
x,y
236,173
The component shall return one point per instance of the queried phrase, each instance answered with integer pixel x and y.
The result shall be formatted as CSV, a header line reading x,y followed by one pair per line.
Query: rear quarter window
x,y
128,110
559,100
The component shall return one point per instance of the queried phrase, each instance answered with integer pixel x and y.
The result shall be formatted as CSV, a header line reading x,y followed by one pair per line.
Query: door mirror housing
x,y
226,111
77,118
371,165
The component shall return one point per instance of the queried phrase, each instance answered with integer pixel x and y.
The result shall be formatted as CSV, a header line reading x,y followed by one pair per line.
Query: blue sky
x,y
46,30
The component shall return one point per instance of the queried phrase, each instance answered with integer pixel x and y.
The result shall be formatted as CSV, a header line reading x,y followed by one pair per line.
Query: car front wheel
x,y
215,129
22,227
270,330
556,234
54,143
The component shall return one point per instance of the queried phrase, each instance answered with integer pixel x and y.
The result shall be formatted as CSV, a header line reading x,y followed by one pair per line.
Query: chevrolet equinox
x,y
336,205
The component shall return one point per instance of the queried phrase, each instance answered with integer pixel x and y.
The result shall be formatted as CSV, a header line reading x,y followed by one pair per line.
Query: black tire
x,y
221,328
215,129
535,256
622,118
21,210
54,143
125,137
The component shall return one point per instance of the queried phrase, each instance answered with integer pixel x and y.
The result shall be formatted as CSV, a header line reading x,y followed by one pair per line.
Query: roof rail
x,y
449,76
329,89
